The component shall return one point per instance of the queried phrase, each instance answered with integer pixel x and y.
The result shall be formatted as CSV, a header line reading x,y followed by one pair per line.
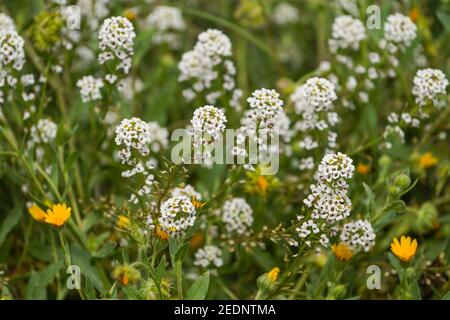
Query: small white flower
x,y
209,256
347,32
116,38
358,235
90,88
400,30
237,216
177,215
285,13
428,85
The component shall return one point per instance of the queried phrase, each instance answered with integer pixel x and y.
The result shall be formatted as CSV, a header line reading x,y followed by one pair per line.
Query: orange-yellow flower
x,y
161,233
342,252
405,249
427,160
58,215
272,275
363,169
123,222
263,184
414,14
197,204
36,212
130,14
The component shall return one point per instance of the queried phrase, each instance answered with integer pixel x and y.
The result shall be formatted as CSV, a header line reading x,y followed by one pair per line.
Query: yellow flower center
x,y
342,252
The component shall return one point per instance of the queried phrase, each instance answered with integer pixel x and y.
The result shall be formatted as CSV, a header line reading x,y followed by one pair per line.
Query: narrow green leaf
x,y
10,222
161,269
199,288
38,282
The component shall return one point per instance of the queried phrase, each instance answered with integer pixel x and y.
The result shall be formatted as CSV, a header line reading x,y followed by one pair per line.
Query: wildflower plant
x,y
354,117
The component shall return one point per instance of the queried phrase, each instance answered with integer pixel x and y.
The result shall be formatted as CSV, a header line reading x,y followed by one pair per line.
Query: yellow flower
x,y
363,169
126,274
263,184
427,160
123,222
58,215
342,252
414,14
405,249
197,204
36,212
161,233
273,274
130,14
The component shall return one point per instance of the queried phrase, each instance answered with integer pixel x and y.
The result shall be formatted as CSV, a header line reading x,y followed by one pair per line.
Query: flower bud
x,y
384,161
403,181
394,190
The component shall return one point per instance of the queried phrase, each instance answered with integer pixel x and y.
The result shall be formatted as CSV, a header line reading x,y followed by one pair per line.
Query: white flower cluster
x,y
347,33
93,10
135,138
399,32
201,67
166,21
159,137
12,55
177,215
285,13
209,256
265,106
6,23
265,120
328,198
132,134
90,88
313,101
237,216
428,85
358,235
208,124
43,132
317,94
187,191
116,42
213,43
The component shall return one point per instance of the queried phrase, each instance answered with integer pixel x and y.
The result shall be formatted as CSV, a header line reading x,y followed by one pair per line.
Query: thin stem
x,y
226,290
67,257
179,279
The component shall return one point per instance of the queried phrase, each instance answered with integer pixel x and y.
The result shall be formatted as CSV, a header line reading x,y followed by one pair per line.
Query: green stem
x,y
67,257
179,279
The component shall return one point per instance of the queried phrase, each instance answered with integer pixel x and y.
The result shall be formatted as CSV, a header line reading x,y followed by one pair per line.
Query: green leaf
x,y
370,200
161,269
38,282
397,206
446,296
409,188
10,222
81,258
143,44
105,250
394,262
173,246
387,218
444,18
199,288
182,251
